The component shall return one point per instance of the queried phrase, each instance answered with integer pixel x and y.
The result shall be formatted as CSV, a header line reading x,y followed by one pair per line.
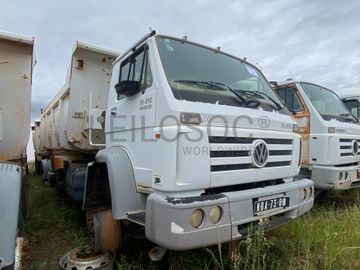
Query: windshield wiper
x,y
351,118
225,86
216,84
203,83
261,94
279,105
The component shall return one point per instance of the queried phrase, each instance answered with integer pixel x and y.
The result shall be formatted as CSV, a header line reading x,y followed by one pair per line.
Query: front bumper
x,y
168,219
339,178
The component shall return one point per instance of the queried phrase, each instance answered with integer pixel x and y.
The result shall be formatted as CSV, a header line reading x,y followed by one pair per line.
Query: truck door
x,y
133,117
296,105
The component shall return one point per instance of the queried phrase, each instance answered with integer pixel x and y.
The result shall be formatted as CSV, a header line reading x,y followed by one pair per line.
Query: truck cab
x,y
330,134
198,148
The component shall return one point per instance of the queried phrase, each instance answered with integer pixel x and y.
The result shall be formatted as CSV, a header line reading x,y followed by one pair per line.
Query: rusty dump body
x,y
16,65
71,121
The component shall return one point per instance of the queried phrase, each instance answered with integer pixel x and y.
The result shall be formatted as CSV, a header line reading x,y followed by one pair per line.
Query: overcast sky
x,y
317,41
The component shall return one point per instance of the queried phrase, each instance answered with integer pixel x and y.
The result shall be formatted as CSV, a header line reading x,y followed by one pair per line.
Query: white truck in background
x,y
16,65
69,133
331,135
195,146
352,102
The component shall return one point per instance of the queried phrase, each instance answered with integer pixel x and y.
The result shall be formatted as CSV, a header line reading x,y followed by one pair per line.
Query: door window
x,y
137,68
290,99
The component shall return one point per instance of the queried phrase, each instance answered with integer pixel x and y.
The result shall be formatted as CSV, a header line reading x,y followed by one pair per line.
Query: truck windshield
x,y
200,74
327,103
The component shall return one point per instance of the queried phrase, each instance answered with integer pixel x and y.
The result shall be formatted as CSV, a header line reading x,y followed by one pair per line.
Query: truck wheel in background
x,y
48,174
60,180
38,167
75,181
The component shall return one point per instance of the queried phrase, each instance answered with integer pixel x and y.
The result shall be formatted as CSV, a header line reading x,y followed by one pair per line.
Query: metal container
x,y
81,258
16,63
70,121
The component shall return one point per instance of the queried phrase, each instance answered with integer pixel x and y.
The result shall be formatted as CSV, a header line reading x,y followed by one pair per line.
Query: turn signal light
x,y
190,118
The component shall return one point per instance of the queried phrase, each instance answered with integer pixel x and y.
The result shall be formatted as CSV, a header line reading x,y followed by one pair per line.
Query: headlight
x,y
215,214
197,217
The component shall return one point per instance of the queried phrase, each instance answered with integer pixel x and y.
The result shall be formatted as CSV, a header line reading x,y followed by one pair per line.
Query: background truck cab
x,y
352,102
330,134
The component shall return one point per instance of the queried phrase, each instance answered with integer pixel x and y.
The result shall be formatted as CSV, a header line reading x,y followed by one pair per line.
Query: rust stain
x,y
5,62
303,120
84,135
58,162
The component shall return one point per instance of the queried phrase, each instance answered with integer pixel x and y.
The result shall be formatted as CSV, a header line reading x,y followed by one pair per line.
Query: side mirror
x,y
127,88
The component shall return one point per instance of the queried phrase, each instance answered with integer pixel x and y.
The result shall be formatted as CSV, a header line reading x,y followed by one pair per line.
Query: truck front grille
x,y
234,153
347,147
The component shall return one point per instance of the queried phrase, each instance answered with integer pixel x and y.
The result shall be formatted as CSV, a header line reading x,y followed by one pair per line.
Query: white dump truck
x,y
69,131
195,145
352,102
16,64
331,135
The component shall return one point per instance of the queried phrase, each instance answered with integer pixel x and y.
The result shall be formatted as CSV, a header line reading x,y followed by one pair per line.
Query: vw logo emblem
x,y
355,147
260,153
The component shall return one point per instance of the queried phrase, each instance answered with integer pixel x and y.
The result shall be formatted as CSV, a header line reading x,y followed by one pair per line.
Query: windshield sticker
x,y
251,70
168,45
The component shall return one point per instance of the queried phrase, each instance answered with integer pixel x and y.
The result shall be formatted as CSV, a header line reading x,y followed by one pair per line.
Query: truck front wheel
x,y
106,231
